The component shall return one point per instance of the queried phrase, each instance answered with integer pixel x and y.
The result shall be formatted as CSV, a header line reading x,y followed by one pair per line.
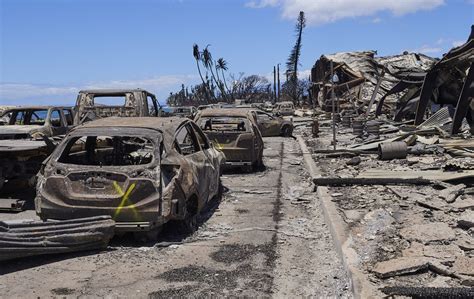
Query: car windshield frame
x,y
155,137
27,115
202,123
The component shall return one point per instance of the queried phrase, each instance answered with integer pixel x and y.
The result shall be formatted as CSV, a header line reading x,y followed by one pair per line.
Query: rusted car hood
x,y
18,129
21,145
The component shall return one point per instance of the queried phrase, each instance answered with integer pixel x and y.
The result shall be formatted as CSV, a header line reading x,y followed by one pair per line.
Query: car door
x,y
68,118
212,166
57,123
190,148
269,125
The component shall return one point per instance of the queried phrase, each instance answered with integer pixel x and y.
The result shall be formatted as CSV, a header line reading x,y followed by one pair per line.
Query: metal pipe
x,y
278,79
333,107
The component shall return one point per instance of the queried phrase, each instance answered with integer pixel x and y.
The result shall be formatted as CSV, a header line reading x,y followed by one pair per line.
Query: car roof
x,y
37,107
226,112
162,124
113,91
167,126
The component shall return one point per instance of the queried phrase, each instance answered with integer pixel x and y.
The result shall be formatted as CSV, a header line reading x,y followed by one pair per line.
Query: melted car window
x,y
224,124
185,141
29,117
108,151
55,118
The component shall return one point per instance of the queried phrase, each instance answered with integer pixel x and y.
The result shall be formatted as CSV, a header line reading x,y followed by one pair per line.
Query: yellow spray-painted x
x,y
218,145
124,201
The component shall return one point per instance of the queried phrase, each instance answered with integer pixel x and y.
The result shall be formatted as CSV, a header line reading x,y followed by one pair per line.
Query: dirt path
x,y
267,237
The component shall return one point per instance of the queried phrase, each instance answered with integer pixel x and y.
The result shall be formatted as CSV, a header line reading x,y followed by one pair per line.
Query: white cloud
x,y
457,43
376,20
303,74
161,85
428,50
13,91
150,83
327,11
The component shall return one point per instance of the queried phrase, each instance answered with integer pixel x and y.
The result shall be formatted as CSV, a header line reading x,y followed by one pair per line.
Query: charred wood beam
x,y
400,86
374,94
467,94
425,96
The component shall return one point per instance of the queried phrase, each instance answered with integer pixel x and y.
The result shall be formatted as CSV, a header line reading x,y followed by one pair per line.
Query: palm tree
x,y
208,63
293,59
198,57
221,64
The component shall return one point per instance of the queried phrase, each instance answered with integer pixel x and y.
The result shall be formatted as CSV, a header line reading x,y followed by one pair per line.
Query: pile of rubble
x,y
401,86
403,184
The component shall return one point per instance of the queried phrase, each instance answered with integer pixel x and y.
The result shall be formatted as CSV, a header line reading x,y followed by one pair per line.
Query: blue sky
x,y
50,49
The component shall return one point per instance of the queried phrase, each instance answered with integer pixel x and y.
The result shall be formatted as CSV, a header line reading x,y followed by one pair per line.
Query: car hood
x,y
18,129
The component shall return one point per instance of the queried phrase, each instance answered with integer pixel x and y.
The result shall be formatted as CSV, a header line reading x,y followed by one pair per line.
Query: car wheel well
x,y
286,130
192,204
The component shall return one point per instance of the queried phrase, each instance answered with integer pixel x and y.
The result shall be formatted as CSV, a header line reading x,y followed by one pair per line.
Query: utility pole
x,y
274,84
278,78
333,108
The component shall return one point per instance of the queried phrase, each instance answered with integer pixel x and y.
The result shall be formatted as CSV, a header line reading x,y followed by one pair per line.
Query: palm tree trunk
x,y
225,84
217,82
202,79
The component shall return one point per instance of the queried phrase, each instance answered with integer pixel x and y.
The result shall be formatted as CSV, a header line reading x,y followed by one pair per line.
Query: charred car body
x,y
236,133
185,111
141,171
284,108
271,125
24,142
33,122
100,103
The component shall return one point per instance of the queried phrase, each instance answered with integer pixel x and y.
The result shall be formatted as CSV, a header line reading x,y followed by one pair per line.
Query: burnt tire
x,y
189,224
258,164
148,236
247,168
286,131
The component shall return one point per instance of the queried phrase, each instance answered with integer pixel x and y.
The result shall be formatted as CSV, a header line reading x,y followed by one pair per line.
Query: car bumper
x,y
231,164
127,219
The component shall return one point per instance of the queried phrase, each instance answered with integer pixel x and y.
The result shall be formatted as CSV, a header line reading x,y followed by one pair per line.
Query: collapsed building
x,y
400,86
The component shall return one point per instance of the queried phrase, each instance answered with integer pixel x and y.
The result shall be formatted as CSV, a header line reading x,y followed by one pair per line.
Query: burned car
x,y
236,133
185,111
23,139
271,125
33,122
284,108
100,103
141,171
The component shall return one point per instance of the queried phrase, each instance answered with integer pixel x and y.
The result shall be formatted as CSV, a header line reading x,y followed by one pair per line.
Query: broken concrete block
x,y
466,243
464,265
463,203
443,252
415,249
400,266
466,220
449,194
354,215
430,232
429,204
